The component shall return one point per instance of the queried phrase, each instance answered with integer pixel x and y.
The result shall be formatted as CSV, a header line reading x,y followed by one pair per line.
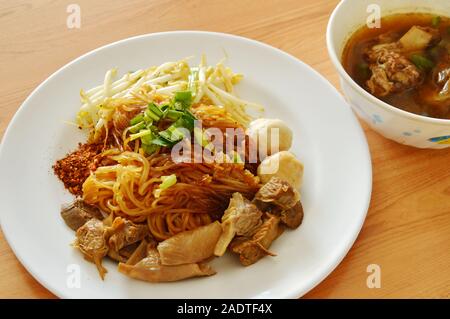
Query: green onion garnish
x,y
137,127
164,107
138,118
174,114
151,115
176,133
436,21
168,181
172,133
141,133
422,62
143,125
187,120
150,149
183,96
148,120
182,100
155,109
147,138
162,142
363,70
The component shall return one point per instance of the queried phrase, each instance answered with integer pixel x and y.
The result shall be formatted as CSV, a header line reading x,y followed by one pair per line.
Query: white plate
x,y
327,138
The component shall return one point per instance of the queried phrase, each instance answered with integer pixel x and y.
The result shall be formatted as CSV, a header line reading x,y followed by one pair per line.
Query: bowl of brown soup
x,y
393,60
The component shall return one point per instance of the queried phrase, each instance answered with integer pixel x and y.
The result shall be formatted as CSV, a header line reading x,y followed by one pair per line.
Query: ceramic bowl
x,y
391,122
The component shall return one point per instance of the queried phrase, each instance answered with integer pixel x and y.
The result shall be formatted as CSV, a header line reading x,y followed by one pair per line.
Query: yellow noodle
x,y
126,187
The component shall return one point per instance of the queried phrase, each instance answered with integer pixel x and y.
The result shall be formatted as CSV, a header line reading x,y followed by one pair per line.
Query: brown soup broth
x,y
353,58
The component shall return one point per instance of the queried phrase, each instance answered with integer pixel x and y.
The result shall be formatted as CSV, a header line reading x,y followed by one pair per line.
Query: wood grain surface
x,y
407,230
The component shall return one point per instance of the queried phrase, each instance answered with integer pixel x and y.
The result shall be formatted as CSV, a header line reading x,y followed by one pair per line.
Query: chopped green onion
x,y
182,100
172,134
155,109
166,136
147,138
138,118
363,70
150,149
137,127
164,107
190,115
176,111
177,105
148,120
436,21
162,142
153,128
174,114
168,181
151,115
140,134
183,96
422,62
176,133
187,120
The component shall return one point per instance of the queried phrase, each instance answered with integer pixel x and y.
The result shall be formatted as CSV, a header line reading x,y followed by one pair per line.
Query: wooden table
x,y
407,230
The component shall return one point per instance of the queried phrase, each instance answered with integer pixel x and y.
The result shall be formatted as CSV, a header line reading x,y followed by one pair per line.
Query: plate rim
x,y
294,291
